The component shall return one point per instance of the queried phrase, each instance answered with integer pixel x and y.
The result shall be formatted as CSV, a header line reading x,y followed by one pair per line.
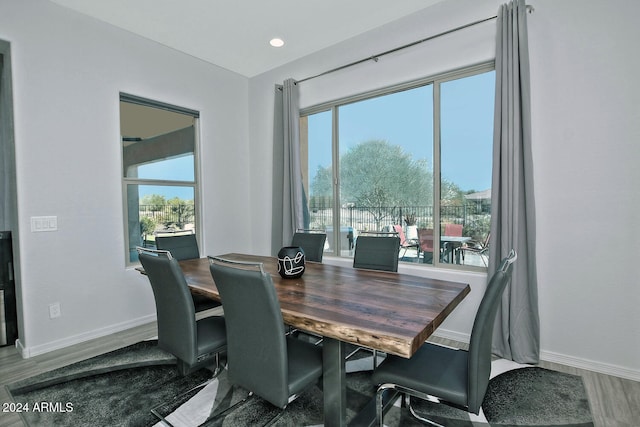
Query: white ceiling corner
x,y
235,34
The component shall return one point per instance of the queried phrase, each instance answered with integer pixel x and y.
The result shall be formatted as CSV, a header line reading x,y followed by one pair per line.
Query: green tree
x,y
147,227
379,177
182,210
451,194
321,186
154,201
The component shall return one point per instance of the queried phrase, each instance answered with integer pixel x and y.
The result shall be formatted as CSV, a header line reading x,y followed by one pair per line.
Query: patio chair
x,y
452,230
425,245
404,243
479,248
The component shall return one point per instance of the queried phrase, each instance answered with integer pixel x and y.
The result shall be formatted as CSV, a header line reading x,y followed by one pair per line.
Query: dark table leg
x,y
456,252
334,379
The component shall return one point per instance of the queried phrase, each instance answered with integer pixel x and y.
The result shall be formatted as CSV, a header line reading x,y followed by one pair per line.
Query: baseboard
x,y
27,352
562,359
590,365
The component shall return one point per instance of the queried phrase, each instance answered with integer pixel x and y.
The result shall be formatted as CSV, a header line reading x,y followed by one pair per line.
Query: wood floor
x,y
615,402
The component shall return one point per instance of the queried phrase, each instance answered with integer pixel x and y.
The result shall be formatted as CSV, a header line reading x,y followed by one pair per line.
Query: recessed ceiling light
x,y
276,42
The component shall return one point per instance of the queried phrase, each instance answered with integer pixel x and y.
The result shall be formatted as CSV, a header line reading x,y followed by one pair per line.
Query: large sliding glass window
x,y
466,141
159,171
381,163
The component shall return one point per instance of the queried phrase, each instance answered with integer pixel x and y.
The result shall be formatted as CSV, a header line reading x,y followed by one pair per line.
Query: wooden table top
x,y
390,312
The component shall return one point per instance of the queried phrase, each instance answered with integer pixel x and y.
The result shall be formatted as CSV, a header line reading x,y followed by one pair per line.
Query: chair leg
x,y
418,417
386,392
218,367
484,261
379,409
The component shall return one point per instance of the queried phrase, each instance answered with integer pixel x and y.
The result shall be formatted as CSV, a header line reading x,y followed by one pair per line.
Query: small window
x,y
159,171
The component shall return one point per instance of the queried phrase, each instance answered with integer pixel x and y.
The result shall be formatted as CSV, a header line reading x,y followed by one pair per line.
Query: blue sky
x,y
180,169
406,119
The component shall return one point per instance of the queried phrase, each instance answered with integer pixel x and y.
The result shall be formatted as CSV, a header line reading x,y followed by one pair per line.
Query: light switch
x,y
44,223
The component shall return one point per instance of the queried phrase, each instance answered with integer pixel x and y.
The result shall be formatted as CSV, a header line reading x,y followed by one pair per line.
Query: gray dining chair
x,y
261,357
181,246
185,246
194,343
311,242
377,252
454,377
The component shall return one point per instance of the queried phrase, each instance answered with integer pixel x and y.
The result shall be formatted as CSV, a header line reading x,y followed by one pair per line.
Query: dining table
x,y
389,312
450,246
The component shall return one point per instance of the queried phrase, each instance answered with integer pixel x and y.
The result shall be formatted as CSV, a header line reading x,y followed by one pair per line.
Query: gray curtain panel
x,y
517,330
8,192
287,136
278,173
4,159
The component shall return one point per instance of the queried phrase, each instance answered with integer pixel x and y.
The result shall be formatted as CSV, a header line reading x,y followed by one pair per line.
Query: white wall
x,y
68,71
586,129
586,108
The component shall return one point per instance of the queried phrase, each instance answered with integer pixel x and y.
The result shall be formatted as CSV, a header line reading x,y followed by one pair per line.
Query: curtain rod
x,y
376,57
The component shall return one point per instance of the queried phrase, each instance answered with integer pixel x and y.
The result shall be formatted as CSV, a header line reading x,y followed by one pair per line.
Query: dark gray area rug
x,y
121,387
524,396
115,389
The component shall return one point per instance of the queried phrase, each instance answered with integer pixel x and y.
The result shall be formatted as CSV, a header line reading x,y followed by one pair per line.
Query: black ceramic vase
x,y
291,262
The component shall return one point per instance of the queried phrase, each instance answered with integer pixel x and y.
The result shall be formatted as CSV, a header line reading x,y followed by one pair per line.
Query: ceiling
x,y
235,34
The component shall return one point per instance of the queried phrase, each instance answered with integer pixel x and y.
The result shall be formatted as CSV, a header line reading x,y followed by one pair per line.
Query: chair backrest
x,y
482,333
454,230
377,253
184,246
256,341
311,243
425,239
403,238
174,305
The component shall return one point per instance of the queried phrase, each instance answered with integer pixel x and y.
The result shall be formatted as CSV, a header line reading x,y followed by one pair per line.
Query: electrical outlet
x,y
54,310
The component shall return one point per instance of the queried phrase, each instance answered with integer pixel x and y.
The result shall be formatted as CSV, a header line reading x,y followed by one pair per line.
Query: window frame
x,y
435,80
126,181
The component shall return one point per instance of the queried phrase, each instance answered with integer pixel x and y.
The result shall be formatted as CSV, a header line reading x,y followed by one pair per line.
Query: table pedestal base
x,y
334,381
